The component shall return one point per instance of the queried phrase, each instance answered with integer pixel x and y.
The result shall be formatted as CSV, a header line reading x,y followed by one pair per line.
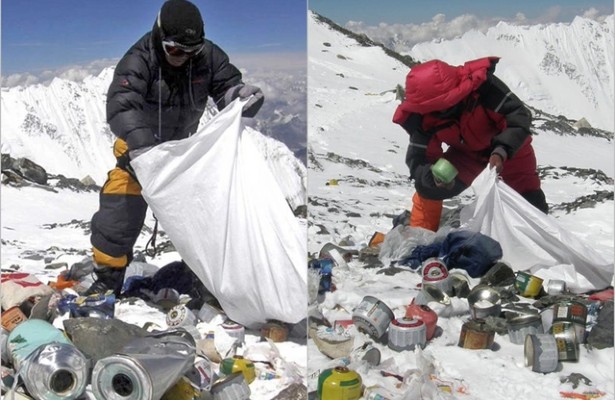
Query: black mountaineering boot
x,y
107,278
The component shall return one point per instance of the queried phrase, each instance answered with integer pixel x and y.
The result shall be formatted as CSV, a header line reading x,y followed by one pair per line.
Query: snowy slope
x,y
353,140
351,136
565,69
61,126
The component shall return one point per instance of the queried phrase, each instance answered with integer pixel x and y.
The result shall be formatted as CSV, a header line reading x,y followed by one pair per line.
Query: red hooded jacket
x,y
474,113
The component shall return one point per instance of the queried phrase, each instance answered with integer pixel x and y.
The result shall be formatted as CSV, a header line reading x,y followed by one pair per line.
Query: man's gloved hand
x,y
244,91
443,185
132,154
496,161
423,174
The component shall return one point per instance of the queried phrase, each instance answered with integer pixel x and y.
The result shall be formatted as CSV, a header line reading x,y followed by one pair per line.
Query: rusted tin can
x,y
231,387
528,285
566,339
475,334
339,383
406,334
522,325
275,330
541,353
180,315
425,314
235,330
238,364
435,273
372,316
12,317
573,312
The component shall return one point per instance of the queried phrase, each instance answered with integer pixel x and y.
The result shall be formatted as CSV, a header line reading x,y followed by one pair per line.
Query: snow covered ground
x,y
41,227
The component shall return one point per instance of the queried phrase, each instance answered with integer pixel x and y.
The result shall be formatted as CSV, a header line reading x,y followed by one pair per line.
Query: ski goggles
x,y
174,49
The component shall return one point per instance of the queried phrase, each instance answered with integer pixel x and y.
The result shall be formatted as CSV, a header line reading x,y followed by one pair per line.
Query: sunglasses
x,y
174,49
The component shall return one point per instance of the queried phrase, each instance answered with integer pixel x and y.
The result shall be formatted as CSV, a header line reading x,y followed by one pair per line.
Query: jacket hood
x,y
436,86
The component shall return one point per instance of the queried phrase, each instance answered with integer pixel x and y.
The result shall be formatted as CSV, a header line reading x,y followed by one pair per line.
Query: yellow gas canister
x,y
182,390
229,366
339,383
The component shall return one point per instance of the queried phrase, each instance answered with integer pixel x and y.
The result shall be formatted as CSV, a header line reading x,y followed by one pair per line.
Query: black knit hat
x,y
180,21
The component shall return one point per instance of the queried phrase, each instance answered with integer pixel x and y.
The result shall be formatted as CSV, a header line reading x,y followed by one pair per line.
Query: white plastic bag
x,y
17,287
401,240
223,210
534,241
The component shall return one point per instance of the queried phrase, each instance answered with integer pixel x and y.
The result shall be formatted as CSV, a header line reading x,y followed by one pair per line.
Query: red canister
x,y
425,314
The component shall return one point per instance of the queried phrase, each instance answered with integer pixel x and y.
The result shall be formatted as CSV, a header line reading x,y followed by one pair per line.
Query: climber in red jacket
x,y
480,120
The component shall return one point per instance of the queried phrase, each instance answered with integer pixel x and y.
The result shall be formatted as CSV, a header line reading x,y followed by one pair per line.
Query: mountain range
x,y
62,127
561,68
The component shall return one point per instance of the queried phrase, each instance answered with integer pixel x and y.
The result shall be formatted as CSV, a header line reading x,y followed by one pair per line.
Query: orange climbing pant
x,y
425,213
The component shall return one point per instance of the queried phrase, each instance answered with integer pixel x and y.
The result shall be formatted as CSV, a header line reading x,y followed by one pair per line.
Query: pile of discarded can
x,y
122,361
548,335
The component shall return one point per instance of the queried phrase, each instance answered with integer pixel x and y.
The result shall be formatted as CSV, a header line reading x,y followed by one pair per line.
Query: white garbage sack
x,y
220,205
400,241
533,241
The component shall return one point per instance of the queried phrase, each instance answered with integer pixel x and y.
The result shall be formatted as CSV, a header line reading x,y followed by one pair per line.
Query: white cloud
x,y
594,14
520,19
281,76
19,80
401,37
72,72
247,62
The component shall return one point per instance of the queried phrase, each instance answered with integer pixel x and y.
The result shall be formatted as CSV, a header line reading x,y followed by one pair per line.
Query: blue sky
x,y
49,34
417,11
42,39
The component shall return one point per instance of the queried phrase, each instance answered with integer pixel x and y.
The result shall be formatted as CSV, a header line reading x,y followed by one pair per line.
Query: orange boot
x,y
425,213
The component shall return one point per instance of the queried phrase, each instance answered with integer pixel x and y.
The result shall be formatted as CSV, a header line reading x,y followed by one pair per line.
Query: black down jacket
x,y
146,89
